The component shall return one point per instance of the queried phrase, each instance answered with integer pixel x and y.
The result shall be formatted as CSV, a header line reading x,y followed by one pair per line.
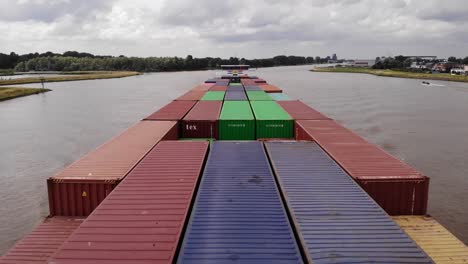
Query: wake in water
x,y
431,84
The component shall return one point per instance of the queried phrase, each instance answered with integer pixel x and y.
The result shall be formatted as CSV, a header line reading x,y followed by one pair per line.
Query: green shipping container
x,y
271,120
258,96
237,121
213,96
280,97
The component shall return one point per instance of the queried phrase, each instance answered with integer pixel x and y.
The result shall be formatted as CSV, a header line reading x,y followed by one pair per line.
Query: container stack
x,y
324,199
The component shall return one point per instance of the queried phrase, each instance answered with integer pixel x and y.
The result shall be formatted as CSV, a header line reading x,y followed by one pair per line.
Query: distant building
x,y
363,63
445,67
334,57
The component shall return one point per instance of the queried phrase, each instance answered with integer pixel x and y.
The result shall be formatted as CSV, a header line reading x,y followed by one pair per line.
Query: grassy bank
x,y
7,93
396,73
73,76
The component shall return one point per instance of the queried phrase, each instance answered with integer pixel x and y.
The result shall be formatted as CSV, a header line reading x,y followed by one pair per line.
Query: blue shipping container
x,y
239,88
238,216
235,96
337,222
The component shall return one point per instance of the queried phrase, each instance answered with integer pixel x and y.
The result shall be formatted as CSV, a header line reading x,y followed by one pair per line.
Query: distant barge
x,y
234,171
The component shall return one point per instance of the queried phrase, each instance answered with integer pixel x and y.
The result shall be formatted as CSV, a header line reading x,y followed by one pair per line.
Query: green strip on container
x,y
213,96
235,84
280,97
258,96
236,121
271,120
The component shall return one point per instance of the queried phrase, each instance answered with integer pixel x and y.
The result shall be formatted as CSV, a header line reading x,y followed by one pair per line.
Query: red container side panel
x,y
395,186
191,96
79,188
141,221
202,87
175,110
300,111
268,88
202,120
42,242
219,88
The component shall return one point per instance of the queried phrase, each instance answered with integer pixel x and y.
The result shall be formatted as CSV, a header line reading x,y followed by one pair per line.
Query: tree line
x,y
79,61
401,62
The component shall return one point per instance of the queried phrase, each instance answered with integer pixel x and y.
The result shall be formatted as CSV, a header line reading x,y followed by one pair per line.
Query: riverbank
x,y
395,73
7,93
71,76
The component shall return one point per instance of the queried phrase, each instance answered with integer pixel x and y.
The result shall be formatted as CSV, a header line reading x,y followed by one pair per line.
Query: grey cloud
x,y
48,10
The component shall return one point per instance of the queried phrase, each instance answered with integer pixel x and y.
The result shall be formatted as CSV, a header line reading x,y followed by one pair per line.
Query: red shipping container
x,y
82,186
259,81
202,87
42,242
221,88
202,120
175,110
191,96
398,188
268,88
300,111
142,220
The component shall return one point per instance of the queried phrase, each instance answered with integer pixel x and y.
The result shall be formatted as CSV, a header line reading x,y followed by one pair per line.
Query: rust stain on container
x,y
434,239
202,120
79,188
300,111
175,110
398,188
38,246
191,96
142,220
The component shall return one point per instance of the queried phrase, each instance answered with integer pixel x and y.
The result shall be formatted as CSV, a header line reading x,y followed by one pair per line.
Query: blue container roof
x,y
336,220
238,216
235,96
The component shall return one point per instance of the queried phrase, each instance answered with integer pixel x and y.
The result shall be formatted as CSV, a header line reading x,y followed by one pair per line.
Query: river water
x,y
427,126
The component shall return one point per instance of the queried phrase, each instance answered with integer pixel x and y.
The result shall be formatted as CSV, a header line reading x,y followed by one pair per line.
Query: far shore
x,y
71,76
7,93
394,73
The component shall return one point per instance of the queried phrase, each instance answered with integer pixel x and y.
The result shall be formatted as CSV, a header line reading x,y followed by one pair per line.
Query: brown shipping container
x,y
300,111
398,188
175,110
143,219
268,88
42,242
219,88
191,96
81,187
202,120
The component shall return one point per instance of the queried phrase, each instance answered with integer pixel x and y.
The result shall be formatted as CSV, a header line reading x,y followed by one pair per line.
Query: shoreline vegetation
x,y
7,93
394,73
71,76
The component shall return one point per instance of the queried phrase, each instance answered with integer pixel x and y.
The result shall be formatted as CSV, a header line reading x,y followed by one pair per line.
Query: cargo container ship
x,y
234,171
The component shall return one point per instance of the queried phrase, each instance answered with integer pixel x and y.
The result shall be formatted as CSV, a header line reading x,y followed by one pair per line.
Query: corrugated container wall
x,y
238,88
258,96
235,96
432,237
271,120
46,238
142,220
213,96
218,88
236,121
202,120
81,187
174,111
238,216
191,96
300,111
394,185
336,220
252,88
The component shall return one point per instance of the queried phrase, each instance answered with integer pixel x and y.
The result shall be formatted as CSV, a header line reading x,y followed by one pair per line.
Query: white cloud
x,y
262,28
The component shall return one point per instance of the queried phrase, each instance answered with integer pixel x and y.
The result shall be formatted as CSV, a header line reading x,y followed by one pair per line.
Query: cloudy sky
x,y
242,28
